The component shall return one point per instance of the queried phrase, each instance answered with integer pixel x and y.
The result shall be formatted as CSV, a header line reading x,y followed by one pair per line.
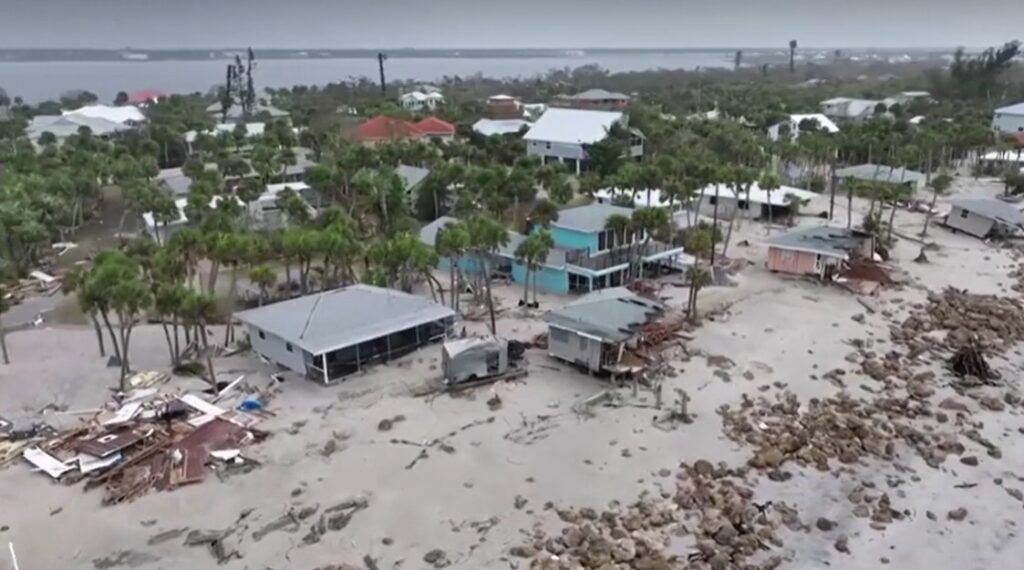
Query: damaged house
x,y
594,331
819,251
336,333
984,217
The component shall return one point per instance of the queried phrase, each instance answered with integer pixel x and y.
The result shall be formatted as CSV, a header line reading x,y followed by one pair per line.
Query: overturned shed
x,y
336,333
594,331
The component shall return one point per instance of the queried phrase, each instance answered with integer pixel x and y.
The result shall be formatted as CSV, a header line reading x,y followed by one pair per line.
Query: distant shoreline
x,y
14,55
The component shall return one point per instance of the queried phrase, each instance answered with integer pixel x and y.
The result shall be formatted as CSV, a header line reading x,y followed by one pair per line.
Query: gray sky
x,y
506,23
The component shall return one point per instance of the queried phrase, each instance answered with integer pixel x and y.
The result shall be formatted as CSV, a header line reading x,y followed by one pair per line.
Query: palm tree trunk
x,y
771,215
211,283
535,287
209,357
728,235
892,217
170,343
451,275
849,205
99,333
113,336
124,327
177,345
928,215
526,285
714,227
3,343
229,329
490,301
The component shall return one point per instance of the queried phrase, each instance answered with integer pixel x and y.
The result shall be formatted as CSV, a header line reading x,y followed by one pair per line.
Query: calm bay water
x,y
37,81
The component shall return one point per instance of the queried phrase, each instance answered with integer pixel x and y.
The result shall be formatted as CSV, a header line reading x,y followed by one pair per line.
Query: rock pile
x,y
834,428
839,428
993,323
711,504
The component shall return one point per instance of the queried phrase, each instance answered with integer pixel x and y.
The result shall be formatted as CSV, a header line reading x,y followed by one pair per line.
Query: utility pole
x,y
381,56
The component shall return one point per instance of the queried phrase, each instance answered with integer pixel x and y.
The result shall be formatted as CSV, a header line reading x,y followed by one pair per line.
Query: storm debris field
x,y
148,438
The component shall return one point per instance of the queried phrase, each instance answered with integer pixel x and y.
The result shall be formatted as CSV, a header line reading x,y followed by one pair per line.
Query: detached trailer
x,y
476,360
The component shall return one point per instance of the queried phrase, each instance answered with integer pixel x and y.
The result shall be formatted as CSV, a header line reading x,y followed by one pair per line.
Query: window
x,y
288,346
602,241
559,335
547,146
262,336
964,214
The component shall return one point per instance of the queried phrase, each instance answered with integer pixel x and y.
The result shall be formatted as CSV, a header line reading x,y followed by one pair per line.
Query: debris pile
x,y
150,437
710,503
991,323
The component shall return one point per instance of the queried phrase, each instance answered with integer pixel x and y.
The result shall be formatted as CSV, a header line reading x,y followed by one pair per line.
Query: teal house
x,y
586,256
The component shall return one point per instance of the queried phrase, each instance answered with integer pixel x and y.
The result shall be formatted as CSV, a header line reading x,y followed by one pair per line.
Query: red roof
x,y
384,128
434,127
145,96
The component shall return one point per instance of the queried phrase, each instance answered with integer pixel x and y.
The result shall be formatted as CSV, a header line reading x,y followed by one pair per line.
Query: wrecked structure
x,y
819,251
984,217
594,331
336,333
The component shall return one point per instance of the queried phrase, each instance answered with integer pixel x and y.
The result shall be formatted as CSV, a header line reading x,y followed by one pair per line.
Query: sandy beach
x,y
453,474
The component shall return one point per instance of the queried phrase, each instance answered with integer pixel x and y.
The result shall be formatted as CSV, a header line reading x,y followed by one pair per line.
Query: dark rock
x,y
842,544
957,514
969,460
825,525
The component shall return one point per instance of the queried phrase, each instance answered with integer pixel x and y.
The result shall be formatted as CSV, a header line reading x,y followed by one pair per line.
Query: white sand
x,y
779,329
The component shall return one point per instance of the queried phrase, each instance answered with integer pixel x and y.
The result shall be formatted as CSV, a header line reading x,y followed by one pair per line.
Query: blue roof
x,y
1017,109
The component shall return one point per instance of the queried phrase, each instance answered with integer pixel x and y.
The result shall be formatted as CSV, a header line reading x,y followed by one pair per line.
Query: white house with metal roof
x,y
753,204
1009,119
562,135
984,217
333,334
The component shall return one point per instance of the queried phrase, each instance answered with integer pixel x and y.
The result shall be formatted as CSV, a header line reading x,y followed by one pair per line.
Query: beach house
x,y
563,135
586,256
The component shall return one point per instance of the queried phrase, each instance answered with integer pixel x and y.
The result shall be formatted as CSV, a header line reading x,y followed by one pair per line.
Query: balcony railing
x,y
618,256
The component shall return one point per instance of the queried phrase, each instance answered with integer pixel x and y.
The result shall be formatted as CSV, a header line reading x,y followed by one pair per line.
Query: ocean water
x,y
38,81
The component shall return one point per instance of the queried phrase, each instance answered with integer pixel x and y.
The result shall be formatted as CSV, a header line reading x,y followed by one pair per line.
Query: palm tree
x,y
486,236
263,276
544,213
622,229
940,185
199,310
769,182
532,252
74,282
451,242
792,56
698,242
793,204
650,221
168,302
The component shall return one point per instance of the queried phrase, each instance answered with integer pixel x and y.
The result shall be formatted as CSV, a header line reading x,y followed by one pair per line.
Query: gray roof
x,y
612,315
991,208
428,233
589,218
411,175
344,317
826,240
599,95
881,173
175,181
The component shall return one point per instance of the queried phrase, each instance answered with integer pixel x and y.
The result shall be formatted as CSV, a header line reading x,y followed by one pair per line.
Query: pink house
x,y
819,251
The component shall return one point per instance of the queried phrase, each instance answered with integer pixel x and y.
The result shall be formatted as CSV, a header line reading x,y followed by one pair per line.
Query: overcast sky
x,y
507,23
